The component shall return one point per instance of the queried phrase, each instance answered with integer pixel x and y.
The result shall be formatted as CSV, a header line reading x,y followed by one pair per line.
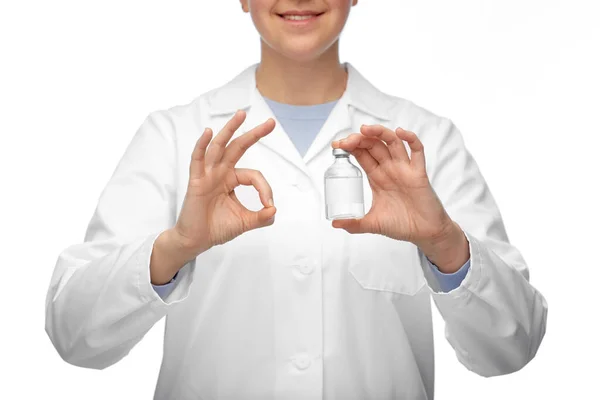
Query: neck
x,y
301,83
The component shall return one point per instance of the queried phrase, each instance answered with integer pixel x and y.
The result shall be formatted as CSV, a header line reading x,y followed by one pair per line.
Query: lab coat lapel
x,y
277,141
360,95
241,94
337,125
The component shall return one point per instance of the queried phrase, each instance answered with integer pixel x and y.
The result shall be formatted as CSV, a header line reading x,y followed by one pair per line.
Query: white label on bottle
x,y
344,190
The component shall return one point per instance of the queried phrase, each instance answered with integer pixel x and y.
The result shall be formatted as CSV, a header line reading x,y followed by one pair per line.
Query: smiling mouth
x,y
291,17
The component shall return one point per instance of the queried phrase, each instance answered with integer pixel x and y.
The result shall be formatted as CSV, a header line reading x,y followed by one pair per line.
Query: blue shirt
x,y
302,124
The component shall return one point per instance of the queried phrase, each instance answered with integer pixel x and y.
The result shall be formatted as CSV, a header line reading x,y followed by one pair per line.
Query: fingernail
x,y
271,202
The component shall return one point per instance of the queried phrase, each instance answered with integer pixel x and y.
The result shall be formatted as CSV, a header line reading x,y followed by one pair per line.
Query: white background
x,y
520,78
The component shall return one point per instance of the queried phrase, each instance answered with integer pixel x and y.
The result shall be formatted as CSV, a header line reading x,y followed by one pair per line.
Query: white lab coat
x,y
296,310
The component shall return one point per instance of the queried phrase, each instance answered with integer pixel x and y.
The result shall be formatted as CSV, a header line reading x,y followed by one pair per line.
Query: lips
x,y
299,15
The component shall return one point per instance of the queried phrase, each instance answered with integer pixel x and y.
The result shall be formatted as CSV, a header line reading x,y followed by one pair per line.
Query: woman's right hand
x,y
211,213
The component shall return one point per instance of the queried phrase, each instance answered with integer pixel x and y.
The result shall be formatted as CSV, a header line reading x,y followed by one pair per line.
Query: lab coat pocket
x,y
381,263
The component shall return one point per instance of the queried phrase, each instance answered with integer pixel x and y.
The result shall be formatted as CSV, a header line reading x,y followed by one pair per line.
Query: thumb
x,y
351,225
262,218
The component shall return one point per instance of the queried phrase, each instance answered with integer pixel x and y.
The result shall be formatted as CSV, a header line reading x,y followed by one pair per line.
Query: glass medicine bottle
x,y
344,196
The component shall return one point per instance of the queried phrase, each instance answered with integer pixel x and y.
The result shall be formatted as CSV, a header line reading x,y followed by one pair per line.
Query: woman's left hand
x,y
405,206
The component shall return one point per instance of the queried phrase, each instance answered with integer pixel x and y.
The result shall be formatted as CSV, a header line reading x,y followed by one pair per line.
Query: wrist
x,y
169,255
449,250
180,246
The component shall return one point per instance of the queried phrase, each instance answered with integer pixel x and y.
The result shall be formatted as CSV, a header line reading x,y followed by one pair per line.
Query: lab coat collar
x,y
240,92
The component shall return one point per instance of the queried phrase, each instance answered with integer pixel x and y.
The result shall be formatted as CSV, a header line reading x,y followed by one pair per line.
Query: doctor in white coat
x,y
267,298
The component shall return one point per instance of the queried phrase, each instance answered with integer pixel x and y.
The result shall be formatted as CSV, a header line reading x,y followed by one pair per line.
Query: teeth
x,y
298,17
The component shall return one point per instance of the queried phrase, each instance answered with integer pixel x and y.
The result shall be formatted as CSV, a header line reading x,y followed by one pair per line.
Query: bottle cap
x,y
340,152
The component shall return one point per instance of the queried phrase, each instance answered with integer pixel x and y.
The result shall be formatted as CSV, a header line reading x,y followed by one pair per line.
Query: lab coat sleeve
x,y
495,320
164,290
451,281
100,300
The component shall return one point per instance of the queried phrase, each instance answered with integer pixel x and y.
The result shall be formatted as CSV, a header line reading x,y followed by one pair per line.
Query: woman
x,y
268,299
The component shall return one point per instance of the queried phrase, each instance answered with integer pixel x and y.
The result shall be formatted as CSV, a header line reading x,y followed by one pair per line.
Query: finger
x,y
239,145
417,153
198,155
394,143
364,158
252,177
352,225
266,216
259,219
217,146
374,146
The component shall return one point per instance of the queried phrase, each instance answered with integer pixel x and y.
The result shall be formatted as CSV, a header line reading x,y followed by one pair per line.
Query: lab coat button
x,y
306,269
295,180
302,361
